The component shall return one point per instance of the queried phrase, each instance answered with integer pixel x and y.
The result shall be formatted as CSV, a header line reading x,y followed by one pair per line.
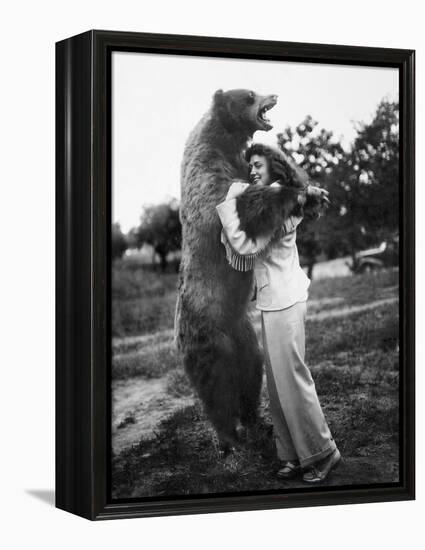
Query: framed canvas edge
x,y
82,218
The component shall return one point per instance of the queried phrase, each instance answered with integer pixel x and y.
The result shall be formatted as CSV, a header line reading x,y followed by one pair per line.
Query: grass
x,y
353,334
354,362
358,289
143,301
360,403
152,361
178,384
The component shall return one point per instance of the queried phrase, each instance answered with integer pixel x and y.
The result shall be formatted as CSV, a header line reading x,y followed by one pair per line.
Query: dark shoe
x,y
289,470
319,472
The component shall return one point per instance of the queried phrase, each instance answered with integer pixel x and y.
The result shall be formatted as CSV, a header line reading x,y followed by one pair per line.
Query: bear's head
x,y
243,111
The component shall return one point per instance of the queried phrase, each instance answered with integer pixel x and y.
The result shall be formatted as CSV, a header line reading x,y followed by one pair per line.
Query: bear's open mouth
x,y
265,106
262,114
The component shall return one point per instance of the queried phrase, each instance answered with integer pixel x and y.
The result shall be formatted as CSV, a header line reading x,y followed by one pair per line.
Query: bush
x,y
142,301
150,361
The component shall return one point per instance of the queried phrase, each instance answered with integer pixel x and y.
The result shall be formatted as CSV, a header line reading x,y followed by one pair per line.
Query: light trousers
x,y
299,425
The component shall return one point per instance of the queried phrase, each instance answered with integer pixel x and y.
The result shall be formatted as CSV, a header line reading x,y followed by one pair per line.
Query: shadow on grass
x,y
183,459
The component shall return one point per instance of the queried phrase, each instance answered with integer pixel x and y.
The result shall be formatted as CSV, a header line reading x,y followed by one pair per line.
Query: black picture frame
x,y
83,216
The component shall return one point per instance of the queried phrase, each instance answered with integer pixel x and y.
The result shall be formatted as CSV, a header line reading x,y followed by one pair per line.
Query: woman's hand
x,y
236,189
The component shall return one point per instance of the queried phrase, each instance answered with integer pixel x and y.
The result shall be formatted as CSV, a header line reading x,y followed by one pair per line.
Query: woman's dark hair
x,y
281,167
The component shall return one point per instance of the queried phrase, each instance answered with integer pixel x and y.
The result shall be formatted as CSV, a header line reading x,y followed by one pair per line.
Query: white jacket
x,y
281,282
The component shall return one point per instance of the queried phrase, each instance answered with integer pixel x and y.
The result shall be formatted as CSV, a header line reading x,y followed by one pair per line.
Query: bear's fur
x,y
261,209
219,347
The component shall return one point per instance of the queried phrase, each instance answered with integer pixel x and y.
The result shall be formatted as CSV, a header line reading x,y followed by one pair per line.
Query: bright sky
x,y
157,99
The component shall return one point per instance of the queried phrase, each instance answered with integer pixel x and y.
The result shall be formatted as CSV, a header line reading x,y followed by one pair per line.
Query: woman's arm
x,y
237,238
241,251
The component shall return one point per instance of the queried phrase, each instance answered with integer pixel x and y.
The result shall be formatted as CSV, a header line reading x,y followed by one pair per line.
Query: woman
x,y
303,439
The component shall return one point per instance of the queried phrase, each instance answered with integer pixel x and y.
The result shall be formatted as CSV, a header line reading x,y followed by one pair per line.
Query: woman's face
x,y
259,170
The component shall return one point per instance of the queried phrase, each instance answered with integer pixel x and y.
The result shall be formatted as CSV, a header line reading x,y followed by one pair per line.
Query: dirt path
x,y
164,338
345,310
138,405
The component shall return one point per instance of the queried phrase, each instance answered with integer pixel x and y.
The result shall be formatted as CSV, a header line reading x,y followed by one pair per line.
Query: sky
x,y
158,99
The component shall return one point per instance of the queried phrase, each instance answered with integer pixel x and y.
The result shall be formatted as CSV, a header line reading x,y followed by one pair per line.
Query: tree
x,y
365,187
119,242
159,227
362,182
318,153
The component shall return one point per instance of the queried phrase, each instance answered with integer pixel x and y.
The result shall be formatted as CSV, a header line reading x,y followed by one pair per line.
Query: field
x,y
163,444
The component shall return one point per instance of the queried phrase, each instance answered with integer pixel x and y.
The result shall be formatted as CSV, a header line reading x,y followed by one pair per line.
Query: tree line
x,y
363,183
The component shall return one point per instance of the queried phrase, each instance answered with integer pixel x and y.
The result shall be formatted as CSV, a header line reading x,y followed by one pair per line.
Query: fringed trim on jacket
x,y
238,262
247,261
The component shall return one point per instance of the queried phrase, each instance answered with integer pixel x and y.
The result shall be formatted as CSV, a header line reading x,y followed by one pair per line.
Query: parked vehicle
x,y
385,255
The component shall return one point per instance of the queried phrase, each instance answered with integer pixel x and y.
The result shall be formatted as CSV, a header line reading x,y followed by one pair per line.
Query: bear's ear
x,y
222,107
218,97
